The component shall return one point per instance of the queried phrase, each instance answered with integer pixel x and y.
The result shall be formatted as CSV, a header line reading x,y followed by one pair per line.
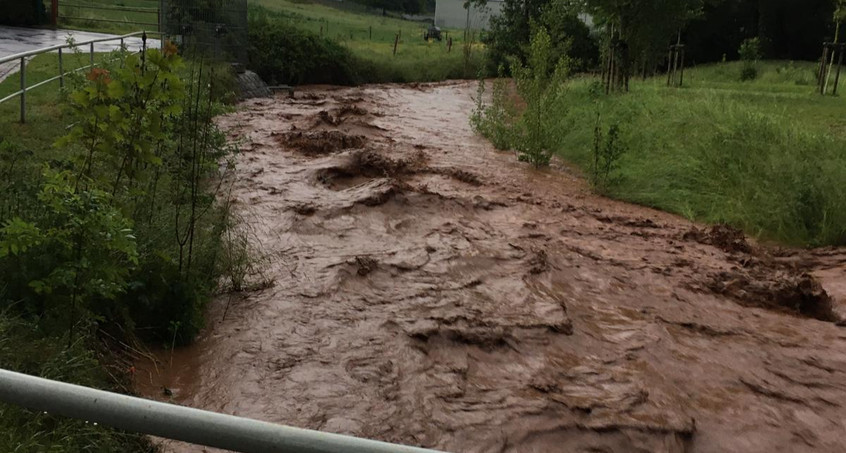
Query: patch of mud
x,y
365,265
337,116
316,143
723,237
800,294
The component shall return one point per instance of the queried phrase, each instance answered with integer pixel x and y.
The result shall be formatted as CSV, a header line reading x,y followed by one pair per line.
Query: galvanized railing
x,y
177,422
61,76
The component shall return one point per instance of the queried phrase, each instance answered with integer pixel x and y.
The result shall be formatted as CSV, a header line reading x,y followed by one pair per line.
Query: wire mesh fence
x,y
210,28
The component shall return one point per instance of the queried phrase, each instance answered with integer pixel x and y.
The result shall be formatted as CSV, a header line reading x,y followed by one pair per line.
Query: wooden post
x,y
396,42
449,44
669,65
54,13
822,66
681,75
839,64
822,69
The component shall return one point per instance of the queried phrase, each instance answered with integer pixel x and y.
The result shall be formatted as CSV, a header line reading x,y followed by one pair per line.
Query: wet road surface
x,y
428,290
15,40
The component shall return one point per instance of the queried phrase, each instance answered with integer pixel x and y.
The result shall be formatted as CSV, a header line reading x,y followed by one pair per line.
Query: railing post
x,y
91,59
23,89
121,44
61,70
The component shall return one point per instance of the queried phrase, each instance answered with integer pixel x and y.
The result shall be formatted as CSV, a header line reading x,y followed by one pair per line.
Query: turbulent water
x,y
428,290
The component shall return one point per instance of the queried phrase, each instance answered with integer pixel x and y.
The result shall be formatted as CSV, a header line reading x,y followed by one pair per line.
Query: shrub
x,y
750,53
283,54
540,86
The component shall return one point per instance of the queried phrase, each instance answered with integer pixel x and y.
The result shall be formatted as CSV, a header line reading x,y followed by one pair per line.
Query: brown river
x,y
425,289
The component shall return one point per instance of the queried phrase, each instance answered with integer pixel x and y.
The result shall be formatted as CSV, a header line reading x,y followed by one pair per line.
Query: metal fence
x,y
89,46
130,14
211,28
177,422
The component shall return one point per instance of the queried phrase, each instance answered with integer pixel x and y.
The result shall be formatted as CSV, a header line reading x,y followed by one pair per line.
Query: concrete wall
x,y
451,14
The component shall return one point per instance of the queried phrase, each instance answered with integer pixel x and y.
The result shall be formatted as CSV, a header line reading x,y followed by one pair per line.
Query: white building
x,y
452,14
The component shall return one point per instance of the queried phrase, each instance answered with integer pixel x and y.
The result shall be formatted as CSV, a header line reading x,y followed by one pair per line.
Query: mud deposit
x,y
428,290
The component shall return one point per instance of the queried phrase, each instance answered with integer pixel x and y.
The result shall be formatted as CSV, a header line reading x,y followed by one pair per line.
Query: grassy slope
x,y
416,59
768,156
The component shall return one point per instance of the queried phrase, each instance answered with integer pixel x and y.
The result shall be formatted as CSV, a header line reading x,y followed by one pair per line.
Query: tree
x,y
644,27
518,21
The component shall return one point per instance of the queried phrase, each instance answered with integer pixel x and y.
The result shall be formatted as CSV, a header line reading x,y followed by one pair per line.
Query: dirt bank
x,y
428,290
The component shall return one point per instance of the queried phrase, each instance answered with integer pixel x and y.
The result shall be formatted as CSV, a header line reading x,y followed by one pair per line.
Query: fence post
x,y
396,41
839,64
54,13
61,71
91,58
23,89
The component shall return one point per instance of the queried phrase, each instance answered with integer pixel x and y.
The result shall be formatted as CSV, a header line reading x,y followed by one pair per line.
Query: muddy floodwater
x,y
428,290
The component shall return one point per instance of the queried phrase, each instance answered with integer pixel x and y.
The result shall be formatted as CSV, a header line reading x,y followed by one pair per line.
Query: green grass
x,y
768,156
90,16
371,38
44,117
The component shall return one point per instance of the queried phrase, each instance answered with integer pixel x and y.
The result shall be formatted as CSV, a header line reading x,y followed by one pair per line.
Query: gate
x,y
108,15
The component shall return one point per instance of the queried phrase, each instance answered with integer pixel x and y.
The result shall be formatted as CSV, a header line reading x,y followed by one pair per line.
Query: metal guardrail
x,y
61,77
177,422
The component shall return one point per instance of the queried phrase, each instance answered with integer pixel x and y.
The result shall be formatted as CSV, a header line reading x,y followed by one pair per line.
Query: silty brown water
x,y
429,290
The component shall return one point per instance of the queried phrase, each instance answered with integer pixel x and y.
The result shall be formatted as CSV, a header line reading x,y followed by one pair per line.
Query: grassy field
x,y
371,38
122,16
768,156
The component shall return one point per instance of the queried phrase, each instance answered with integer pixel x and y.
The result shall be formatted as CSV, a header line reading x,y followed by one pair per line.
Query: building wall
x,y
451,14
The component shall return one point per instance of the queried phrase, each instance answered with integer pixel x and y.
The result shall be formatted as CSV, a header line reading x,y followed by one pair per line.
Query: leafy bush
x,y
495,120
124,227
283,54
540,87
607,151
750,53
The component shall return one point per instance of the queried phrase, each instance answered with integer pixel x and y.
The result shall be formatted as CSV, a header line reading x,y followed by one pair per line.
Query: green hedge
x,y
283,54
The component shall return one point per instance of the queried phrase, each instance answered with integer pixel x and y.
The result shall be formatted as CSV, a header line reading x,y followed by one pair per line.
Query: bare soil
x,y
428,290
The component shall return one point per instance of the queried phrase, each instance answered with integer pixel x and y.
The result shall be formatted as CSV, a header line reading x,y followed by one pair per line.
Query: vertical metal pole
x,y
61,70
23,90
91,58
